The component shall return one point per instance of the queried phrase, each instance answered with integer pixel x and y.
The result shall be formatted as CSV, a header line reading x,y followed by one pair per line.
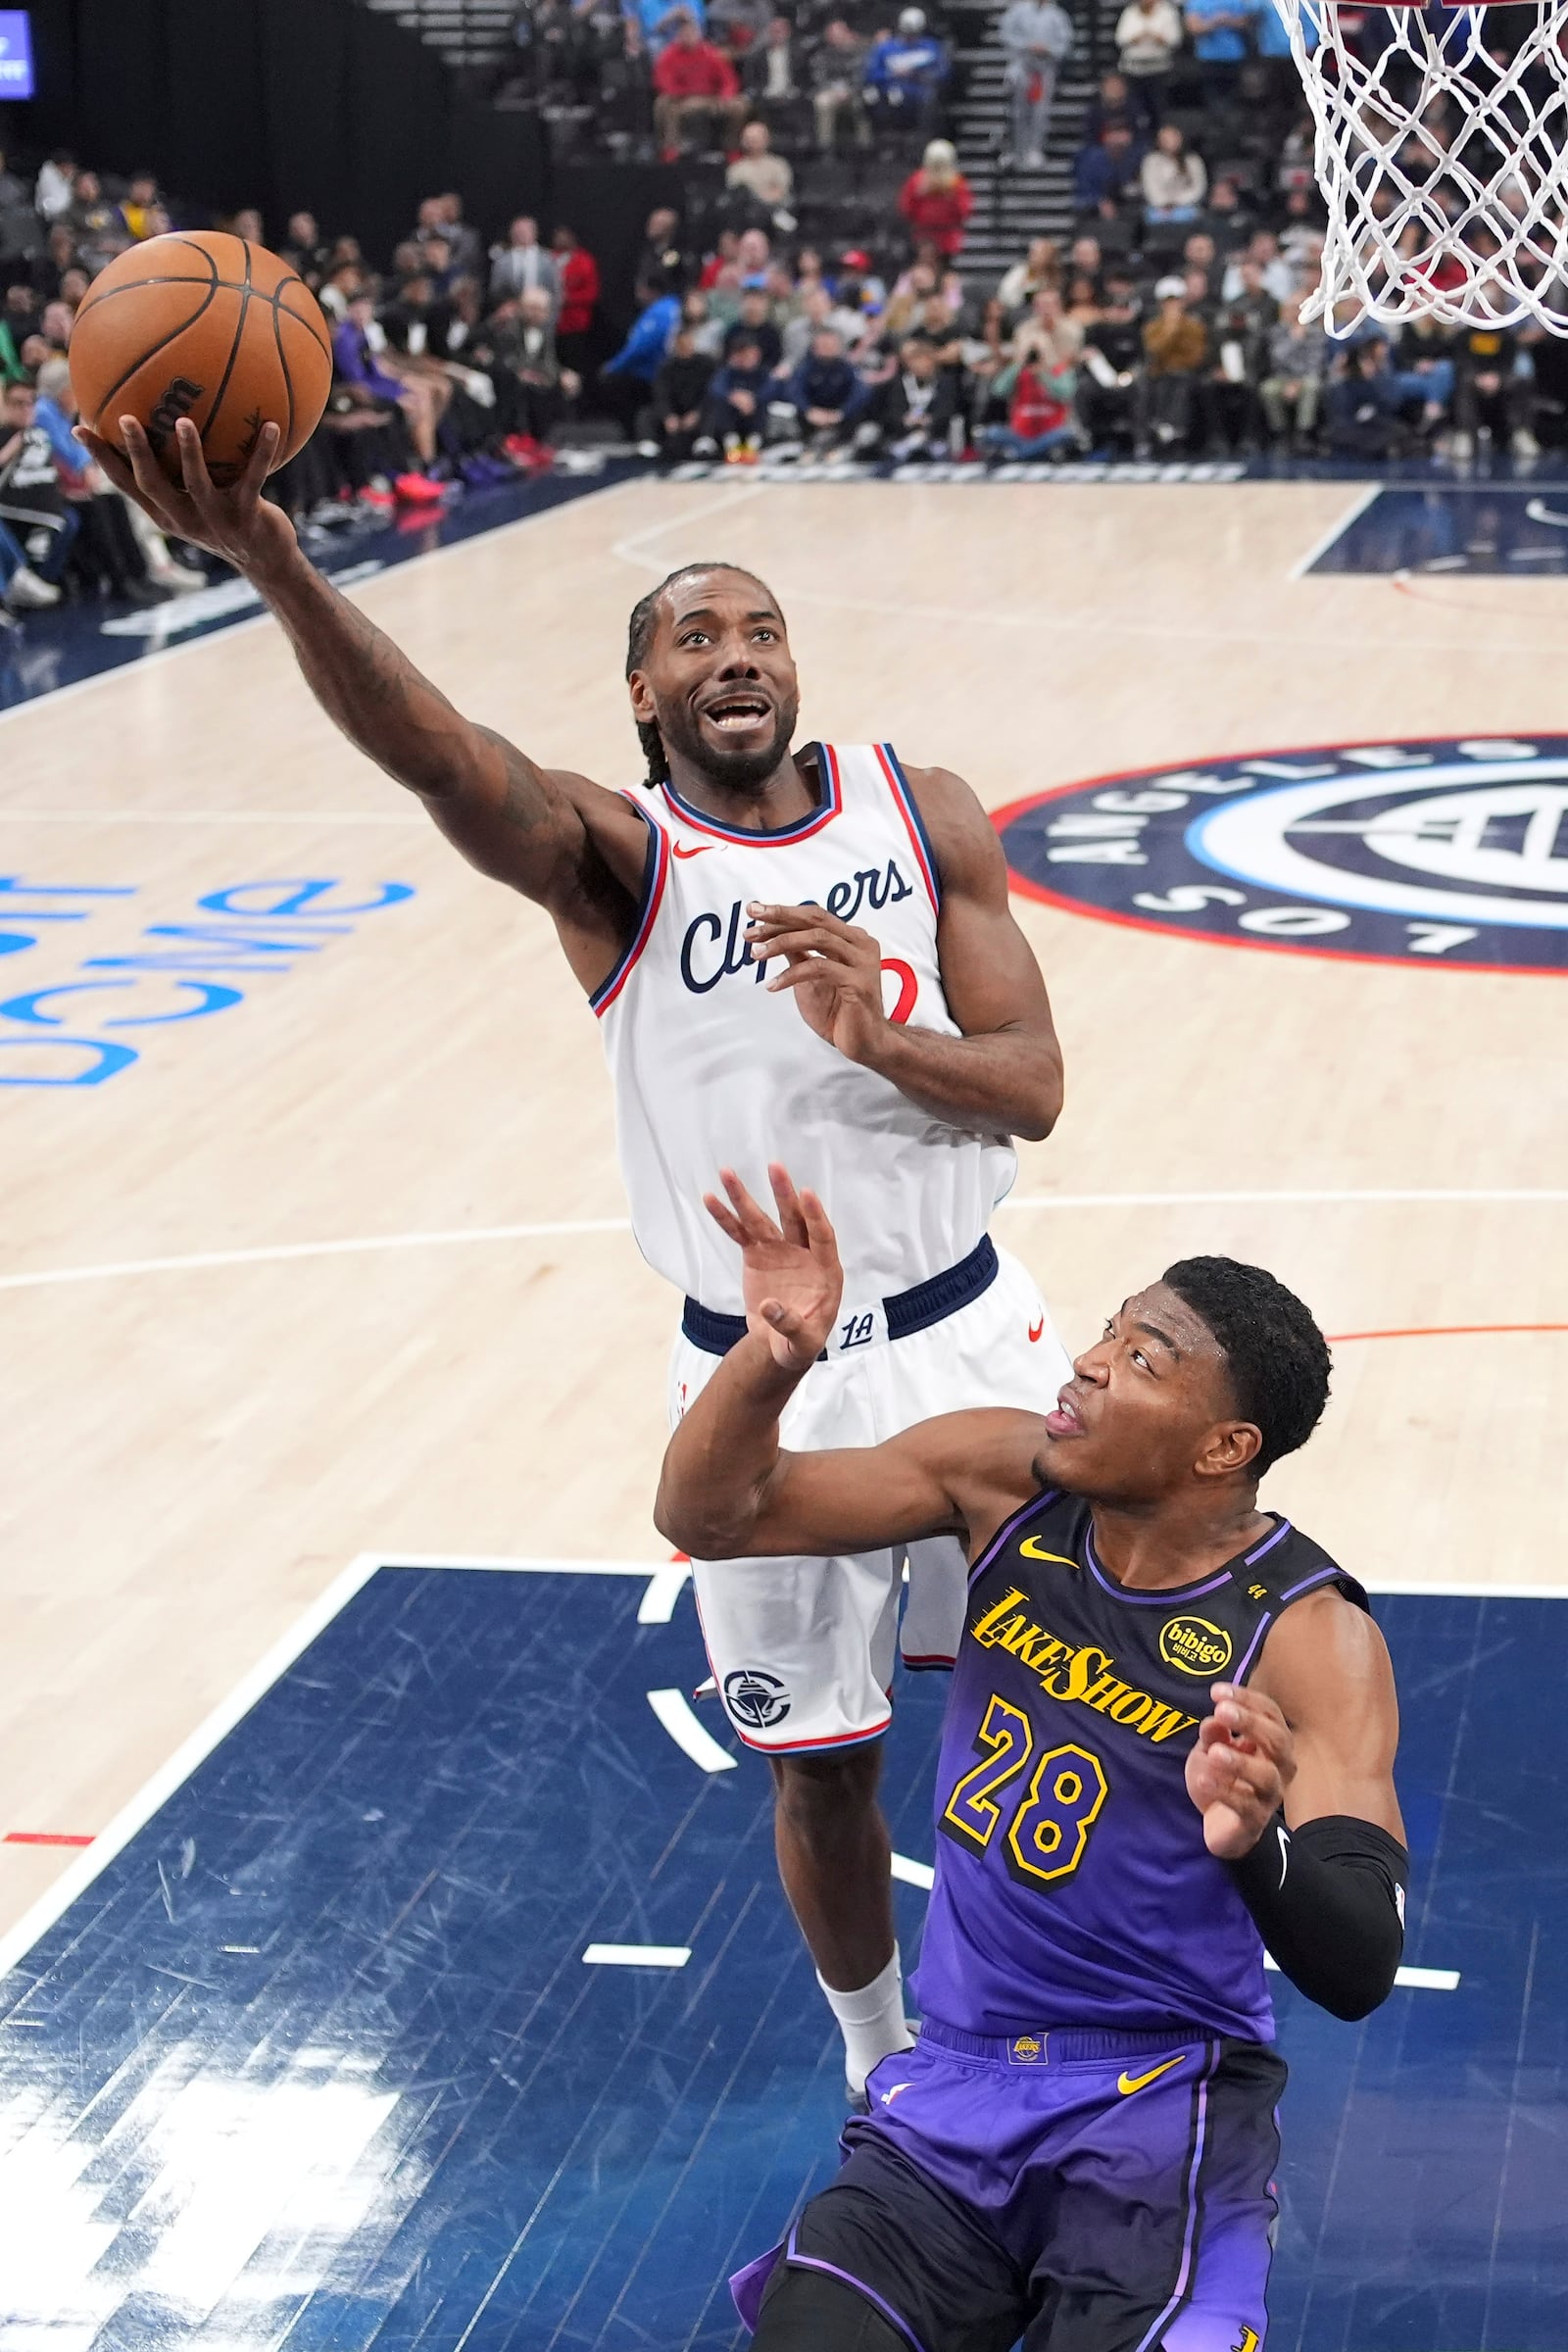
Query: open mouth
x,y
736,712
1064,1419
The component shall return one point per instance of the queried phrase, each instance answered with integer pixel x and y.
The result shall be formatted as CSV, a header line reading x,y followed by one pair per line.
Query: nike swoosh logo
x,y
1128,2083
700,852
1034,1550
1037,1330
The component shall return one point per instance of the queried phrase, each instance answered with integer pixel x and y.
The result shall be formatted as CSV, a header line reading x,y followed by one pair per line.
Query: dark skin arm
x,y
1315,1731
730,1491
559,839
1004,1072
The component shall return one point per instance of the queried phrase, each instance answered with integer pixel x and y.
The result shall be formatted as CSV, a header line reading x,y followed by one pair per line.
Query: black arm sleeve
x,y
1329,1902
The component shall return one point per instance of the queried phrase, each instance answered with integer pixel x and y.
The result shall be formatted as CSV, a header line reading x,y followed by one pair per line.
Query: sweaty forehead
x,y
1159,1310
717,591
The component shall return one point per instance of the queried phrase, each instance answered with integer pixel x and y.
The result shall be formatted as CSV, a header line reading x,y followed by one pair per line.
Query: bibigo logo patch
x,y
1194,1647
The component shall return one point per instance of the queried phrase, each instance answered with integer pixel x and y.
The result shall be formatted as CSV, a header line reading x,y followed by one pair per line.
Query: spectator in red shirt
x,y
936,201
694,80
578,273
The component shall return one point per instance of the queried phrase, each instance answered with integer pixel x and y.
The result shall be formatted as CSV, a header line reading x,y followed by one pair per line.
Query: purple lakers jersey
x,y
1073,1887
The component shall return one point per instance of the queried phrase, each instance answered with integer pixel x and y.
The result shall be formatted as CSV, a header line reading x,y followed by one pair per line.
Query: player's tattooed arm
x,y
1004,1073
556,838
730,1491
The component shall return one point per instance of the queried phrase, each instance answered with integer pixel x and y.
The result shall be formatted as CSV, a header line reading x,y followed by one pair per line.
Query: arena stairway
x,y
467,34
1012,206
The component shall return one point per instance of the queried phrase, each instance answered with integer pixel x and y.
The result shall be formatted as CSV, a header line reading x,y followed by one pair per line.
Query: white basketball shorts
x,y
802,1649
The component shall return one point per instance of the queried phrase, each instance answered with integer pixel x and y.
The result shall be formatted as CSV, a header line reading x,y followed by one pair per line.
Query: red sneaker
x,y
416,490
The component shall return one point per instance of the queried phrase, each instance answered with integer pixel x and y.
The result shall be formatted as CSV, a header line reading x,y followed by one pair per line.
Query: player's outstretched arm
x,y
1004,1072
516,821
730,1491
1294,1777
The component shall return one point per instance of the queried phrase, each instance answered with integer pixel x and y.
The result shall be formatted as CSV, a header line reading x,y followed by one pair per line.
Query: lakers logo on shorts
x,y
1194,1647
755,1699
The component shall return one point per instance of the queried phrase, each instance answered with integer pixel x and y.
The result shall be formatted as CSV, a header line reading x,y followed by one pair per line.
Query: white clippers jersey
x,y
711,1070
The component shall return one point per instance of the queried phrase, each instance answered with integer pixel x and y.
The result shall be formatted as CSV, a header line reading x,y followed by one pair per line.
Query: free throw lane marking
x,y
1413,1980
674,1712
636,1955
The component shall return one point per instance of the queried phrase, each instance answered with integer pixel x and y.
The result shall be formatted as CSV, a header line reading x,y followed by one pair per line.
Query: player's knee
x,y
807,2311
820,1793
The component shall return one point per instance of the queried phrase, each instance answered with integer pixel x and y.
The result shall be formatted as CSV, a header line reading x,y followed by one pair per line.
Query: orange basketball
x,y
206,326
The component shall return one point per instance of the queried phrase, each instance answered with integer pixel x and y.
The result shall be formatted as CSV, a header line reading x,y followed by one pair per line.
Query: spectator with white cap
x,y
906,73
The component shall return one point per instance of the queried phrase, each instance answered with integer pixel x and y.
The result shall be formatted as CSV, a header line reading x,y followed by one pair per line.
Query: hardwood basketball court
x,y
347,1268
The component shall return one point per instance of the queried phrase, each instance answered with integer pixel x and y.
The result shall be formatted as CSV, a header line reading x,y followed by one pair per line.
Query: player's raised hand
x,y
1239,1770
790,1271
236,523
834,969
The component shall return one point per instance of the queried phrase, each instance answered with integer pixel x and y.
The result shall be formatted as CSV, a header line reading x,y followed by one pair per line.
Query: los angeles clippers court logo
x,y
1425,851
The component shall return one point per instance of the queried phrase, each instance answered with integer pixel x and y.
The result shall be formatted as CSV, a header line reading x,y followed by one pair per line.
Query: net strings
x,y
1442,150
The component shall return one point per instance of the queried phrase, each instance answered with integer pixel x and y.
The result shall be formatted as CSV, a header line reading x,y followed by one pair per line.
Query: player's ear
x,y
642,699
1229,1447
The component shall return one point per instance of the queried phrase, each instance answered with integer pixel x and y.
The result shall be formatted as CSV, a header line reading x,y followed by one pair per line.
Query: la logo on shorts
x,y
755,1699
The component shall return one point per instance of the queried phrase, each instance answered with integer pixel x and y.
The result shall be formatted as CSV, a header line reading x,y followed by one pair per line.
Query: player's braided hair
x,y
1278,1359
640,636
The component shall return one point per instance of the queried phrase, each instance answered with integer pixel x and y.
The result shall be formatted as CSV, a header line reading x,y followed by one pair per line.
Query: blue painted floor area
x,y
316,2061
1517,529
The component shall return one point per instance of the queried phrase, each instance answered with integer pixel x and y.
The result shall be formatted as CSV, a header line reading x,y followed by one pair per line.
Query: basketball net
x,y
1442,157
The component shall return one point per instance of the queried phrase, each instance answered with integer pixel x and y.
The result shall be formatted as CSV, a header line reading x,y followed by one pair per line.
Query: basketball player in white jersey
x,y
806,953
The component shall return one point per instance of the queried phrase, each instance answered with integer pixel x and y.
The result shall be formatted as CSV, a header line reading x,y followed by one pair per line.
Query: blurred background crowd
x,y
988,235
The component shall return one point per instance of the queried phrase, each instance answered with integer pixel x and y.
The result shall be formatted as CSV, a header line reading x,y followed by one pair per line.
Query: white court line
x,y
1413,1980
462,1235
1336,530
202,1259
636,1955
80,1874
209,816
77,1876
675,1713
913,1874
665,1588
629,549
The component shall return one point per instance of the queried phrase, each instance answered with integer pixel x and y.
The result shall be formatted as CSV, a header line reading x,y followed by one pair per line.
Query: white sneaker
x,y
1525,444
28,594
1034,161
178,580
1461,447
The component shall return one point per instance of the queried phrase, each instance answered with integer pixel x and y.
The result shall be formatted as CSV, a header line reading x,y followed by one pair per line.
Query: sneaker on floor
x,y
416,490
1461,447
377,502
177,579
1525,444
521,446
28,594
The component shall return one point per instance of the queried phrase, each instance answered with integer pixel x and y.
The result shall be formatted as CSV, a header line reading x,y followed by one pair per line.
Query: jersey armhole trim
x,y
1008,1527
654,872
913,822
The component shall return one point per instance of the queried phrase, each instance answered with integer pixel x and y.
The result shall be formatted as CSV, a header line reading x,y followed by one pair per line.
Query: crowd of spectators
x,y
1166,325
1167,322
657,79
452,371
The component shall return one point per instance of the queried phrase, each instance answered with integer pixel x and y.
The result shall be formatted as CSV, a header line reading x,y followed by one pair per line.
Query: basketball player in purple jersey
x,y
1079,2150
808,951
